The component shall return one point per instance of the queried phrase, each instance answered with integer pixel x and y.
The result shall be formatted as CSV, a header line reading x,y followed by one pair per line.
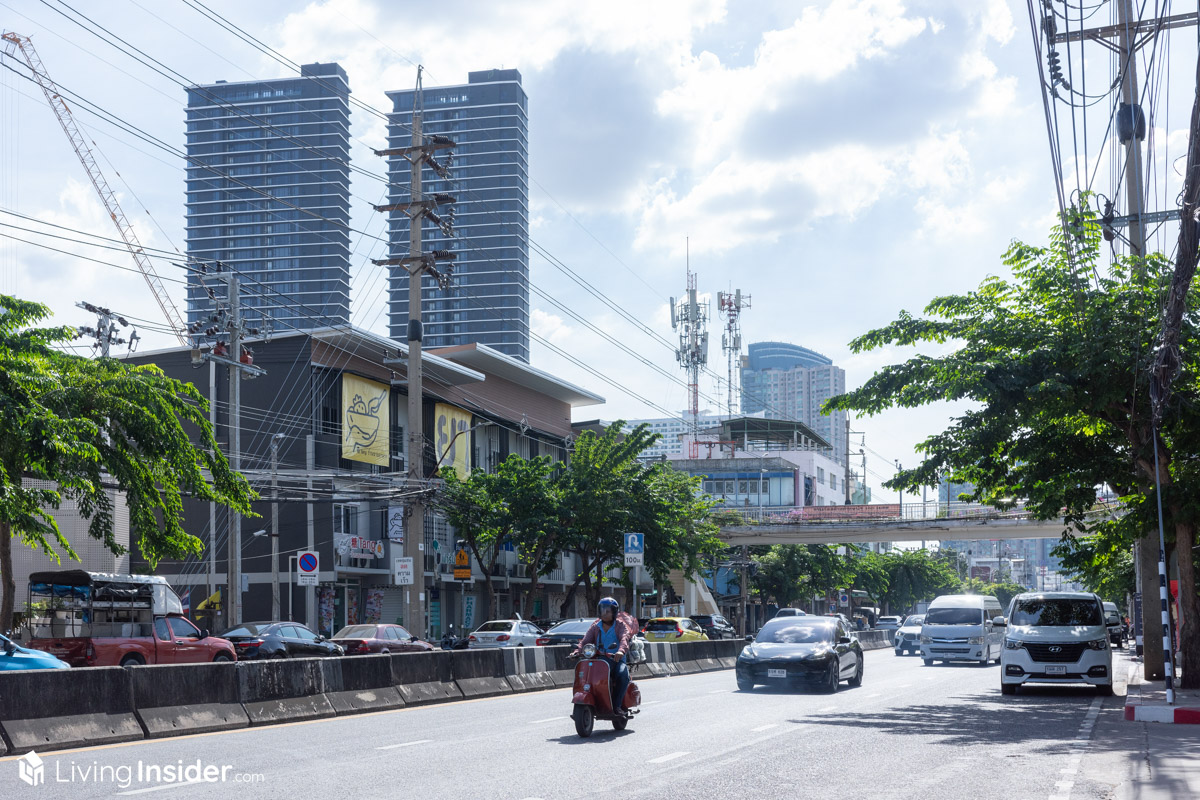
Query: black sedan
x,y
254,640
569,631
809,651
715,626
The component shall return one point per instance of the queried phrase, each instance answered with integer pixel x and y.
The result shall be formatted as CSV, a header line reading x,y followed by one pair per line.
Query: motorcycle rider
x,y
611,636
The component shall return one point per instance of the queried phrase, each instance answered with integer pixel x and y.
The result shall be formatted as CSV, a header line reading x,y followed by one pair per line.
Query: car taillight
x,y
472,638
542,641
678,631
249,643
90,654
504,637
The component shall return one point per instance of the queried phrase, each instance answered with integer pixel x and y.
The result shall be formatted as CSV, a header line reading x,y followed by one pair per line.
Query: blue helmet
x,y
608,602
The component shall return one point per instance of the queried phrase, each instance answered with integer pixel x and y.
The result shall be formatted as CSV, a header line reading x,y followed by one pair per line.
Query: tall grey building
x,y
488,301
268,194
787,381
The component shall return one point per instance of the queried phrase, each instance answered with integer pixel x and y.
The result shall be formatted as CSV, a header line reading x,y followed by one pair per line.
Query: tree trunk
x,y
8,583
1189,607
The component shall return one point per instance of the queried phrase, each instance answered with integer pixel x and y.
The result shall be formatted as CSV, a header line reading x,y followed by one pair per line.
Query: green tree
x,y
870,574
85,424
791,572
1055,365
1101,563
473,506
915,576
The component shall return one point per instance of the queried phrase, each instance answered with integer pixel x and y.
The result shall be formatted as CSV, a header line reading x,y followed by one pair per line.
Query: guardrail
x,y
58,709
882,512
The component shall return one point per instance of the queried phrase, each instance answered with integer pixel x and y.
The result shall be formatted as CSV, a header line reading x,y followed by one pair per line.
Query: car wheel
x,y
1104,690
899,652
132,661
280,654
744,684
929,662
220,657
585,720
856,681
619,723
833,678
1008,688
385,651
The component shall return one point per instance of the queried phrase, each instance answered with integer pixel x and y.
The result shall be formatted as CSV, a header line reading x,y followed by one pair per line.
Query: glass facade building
x,y
268,195
488,299
786,381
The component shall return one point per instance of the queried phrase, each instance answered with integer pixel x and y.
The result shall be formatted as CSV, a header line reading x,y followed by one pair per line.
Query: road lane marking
x,y
877,694
826,709
720,691
669,757
904,686
762,728
160,788
548,719
1063,788
404,744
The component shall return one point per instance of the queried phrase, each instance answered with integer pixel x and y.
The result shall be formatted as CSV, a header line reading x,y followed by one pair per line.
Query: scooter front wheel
x,y
585,720
619,723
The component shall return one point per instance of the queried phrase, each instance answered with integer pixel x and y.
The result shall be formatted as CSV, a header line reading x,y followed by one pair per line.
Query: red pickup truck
x,y
97,619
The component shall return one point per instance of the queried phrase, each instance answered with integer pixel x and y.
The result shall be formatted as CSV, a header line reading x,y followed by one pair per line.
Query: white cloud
x,y
549,326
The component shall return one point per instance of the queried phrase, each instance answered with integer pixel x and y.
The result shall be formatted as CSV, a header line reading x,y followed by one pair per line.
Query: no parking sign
x,y
308,564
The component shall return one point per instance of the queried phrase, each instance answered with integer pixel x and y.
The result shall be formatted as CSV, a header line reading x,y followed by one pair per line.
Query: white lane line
x,y
404,744
669,757
160,788
762,728
547,719
1063,788
826,709
720,691
904,686
650,702
877,694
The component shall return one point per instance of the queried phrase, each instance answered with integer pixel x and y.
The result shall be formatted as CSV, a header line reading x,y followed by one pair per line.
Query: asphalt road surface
x,y
910,731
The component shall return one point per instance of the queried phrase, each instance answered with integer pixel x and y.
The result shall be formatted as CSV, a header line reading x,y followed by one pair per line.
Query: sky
x,y
840,162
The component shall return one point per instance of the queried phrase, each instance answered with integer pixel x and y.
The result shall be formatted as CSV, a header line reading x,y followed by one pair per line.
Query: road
x,y
910,731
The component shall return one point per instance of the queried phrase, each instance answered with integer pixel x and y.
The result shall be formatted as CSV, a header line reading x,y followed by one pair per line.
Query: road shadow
x,y
598,737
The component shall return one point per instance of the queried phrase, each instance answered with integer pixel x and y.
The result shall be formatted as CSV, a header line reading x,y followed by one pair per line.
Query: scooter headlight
x,y
589,651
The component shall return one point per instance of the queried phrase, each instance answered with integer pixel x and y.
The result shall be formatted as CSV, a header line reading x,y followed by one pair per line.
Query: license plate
x,y
777,673
1056,669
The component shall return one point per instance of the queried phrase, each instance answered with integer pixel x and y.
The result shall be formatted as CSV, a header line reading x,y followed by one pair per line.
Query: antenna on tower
x,y
730,306
690,319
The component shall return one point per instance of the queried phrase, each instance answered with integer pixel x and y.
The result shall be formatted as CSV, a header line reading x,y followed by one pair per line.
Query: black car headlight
x,y
1013,644
1098,644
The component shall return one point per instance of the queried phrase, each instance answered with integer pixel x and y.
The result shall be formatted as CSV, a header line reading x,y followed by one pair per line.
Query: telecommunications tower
x,y
730,305
690,319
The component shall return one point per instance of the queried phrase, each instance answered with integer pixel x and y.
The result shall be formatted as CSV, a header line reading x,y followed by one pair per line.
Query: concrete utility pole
x,y
847,476
418,263
105,332
275,526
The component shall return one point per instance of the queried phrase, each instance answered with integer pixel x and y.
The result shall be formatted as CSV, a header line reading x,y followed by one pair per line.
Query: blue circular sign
x,y
308,562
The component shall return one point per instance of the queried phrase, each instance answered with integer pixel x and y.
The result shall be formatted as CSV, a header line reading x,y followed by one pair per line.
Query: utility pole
x,y
105,332
275,526
418,263
847,476
898,468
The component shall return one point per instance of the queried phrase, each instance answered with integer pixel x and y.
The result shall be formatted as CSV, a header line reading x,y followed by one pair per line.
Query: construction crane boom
x,y
23,45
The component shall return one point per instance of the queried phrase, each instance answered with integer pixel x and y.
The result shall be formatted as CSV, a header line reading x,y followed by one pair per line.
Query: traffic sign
x,y
402,572
635,549
844,599
308,564
462,565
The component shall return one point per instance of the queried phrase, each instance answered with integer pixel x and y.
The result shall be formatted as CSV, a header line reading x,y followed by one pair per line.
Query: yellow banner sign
x,y
366,427
451,439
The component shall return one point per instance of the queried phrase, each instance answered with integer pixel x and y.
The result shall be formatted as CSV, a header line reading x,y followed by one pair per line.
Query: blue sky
x,y
838,161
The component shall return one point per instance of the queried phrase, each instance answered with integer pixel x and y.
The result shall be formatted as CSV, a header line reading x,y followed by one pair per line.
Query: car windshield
x,y
914,620
570,626
356,632
702,620
1056,612
795,631
501,626
954,616
889,620
661,625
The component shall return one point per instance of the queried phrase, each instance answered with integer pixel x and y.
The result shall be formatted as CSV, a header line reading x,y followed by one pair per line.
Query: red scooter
x,y
593,694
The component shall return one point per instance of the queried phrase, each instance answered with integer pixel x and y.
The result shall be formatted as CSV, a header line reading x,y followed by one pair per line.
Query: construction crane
x,y
23,45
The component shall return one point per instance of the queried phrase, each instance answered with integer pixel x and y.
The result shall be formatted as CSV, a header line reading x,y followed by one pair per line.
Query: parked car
x,y
387,638
714,626
889,623
908,637
807,651
1116,625
959,627
100,619
569,631
255,640
790,612
13,656
1056,637
505,633
674,629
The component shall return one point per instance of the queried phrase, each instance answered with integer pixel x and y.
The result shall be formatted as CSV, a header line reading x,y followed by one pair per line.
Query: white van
x,y
959,627
1056,637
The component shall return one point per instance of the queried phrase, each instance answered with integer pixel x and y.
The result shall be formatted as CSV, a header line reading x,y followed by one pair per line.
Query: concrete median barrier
x,y
529,669
358,684
283,690
56,709
174,699
683,658
480,673
659,660
727,651
875,640
705,656
423,678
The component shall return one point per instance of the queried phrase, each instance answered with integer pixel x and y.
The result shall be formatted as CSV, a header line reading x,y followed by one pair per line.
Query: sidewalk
x,y
1147,702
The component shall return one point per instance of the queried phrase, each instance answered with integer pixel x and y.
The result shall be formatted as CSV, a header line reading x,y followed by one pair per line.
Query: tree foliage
x,y
86,426
1055,365
791,572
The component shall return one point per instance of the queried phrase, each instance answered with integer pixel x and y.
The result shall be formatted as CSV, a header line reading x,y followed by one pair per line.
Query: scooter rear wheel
x,y
619,723
585,720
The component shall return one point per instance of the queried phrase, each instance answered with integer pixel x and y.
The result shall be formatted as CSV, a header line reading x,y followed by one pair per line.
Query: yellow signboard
x,y
365,424
451,440
462,566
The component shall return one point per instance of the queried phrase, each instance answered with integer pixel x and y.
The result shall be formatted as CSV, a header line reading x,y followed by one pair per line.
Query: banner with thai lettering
x,y
365,423
452,438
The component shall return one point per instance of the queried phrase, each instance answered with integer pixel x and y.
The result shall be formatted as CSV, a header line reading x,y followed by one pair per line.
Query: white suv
x,y
1056,637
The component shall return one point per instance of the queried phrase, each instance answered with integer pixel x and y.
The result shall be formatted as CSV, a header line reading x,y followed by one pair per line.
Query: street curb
x,y
1138,712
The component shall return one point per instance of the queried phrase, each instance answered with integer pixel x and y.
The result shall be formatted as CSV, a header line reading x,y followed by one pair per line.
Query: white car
x,y
505,633
1056,637
908,635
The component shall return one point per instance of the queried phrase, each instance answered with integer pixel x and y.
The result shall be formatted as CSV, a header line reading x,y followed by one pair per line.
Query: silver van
x,y
960,627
